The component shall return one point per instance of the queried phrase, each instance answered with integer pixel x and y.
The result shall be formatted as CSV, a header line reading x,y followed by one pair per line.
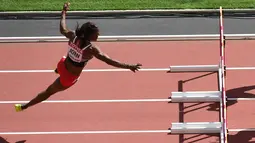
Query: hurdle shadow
x,y
182,112
240,92
22,141
200,137
194,106
238,137
184,109
241,137
3,140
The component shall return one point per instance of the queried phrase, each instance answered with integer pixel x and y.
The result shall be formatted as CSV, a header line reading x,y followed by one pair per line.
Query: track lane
x,y
240,85
142,85
46,55
105,116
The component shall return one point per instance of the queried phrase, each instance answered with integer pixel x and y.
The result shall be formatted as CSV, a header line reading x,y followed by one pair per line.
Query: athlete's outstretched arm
x,y
63,28
103,57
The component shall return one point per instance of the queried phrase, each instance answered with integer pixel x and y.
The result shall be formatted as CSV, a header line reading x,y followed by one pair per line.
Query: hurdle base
x,y
195,96
196,128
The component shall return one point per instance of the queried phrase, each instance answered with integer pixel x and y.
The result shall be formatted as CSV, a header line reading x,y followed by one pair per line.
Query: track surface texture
x,y
67,117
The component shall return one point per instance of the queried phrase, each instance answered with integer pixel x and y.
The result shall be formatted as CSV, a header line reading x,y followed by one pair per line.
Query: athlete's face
x,y
94,37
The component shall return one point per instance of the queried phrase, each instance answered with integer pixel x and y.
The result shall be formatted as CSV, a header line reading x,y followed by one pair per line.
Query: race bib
x,y
75,53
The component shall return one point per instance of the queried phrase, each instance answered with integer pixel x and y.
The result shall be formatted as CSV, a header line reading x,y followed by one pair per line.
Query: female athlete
x,y
80,51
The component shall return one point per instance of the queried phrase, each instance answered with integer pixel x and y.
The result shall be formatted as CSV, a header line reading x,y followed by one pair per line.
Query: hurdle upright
x,y
222,84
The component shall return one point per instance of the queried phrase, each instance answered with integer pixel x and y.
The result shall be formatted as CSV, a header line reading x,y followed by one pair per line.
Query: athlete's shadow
x,y
3,140
241,92
23,141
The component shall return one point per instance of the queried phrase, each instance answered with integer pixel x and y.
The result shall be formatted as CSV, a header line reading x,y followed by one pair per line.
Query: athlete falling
x,y
80,51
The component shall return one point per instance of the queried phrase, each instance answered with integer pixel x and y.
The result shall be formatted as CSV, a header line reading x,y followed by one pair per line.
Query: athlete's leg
x,y
65,81
52,89
55,87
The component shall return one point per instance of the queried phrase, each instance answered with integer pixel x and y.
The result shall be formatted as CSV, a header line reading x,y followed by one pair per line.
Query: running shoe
x,y
18,107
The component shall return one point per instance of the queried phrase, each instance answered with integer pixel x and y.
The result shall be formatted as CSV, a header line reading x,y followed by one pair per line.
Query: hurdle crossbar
x,y
195,96
196,128
132,38
194,68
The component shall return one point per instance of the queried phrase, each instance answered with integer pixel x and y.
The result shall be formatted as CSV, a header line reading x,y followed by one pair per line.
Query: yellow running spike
x,y
18,107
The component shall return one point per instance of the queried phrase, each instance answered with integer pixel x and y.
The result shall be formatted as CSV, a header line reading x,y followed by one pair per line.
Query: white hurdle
x,y
196,96
196,128
194,68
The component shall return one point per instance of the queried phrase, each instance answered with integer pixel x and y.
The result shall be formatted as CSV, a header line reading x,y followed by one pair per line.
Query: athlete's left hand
x,y
66,6
135,68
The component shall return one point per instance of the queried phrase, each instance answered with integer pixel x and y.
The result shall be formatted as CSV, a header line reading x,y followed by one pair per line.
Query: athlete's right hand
x,y
66,6
135,68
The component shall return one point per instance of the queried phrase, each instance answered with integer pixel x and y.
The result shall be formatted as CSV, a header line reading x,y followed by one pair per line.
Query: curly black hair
x,y
86,30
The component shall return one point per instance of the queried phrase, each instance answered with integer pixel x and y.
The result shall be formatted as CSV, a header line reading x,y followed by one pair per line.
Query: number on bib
x,y
74,54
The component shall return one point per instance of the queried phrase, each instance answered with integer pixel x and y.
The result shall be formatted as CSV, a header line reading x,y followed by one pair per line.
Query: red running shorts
x,y
66,78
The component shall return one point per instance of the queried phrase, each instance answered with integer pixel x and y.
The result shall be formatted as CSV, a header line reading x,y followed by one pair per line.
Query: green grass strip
x,y
88,5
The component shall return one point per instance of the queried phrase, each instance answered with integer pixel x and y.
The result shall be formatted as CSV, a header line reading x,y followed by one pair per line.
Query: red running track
x,y
123,85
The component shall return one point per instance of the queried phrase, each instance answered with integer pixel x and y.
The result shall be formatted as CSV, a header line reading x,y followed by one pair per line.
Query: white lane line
x,y
86,70
241,99
107,132
113,70
91,101
240,68
86,132
112,101
240,130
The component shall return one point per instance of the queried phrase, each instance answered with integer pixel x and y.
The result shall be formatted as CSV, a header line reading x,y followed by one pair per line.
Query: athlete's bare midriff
x,y
75,70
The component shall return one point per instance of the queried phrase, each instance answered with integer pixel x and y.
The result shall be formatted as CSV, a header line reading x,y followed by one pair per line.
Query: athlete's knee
x,y
54,88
